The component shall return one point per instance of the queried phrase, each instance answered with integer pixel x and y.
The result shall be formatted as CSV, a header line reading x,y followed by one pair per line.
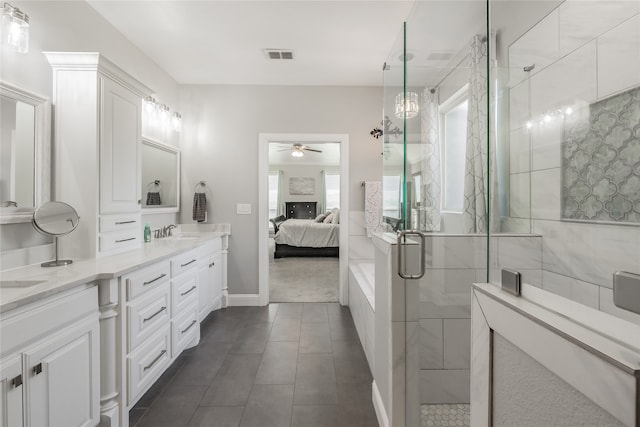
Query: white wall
x,y
75,26
220,146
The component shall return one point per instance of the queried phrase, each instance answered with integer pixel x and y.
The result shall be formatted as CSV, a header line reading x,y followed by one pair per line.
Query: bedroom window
x,y
274,184
332,190
453,137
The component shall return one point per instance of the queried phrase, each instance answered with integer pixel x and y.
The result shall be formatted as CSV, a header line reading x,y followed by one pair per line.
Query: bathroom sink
x,y
19,283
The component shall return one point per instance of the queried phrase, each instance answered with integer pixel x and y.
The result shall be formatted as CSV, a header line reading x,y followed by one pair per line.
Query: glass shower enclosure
x,y
511,140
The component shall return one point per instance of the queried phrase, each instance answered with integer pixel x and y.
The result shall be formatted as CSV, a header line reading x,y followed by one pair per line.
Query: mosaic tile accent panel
x,y
453,415
601,161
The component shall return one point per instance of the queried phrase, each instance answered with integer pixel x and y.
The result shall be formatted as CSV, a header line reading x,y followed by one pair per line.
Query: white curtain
x,y
323,193
280,192
480,183
427,216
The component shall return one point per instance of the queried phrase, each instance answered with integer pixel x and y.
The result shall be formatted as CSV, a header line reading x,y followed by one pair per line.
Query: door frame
x,y
263,205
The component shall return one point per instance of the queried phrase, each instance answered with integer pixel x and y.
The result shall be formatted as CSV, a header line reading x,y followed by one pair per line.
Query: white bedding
x,y
308,233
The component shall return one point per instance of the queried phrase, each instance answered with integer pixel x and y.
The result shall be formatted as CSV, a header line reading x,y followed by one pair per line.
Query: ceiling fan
x,y
297,150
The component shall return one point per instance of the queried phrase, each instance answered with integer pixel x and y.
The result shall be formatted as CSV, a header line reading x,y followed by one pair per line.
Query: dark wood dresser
x,y
301,210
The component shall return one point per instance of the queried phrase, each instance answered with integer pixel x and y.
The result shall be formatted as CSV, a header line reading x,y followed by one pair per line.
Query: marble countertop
x,y
81,271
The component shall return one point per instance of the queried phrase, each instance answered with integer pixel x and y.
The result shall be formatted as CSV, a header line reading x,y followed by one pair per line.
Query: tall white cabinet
x,y
97,143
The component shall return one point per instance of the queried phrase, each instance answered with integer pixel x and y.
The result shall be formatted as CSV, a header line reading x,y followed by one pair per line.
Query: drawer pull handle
x,y
163,308
189,327
125,240
37,369
212,264
150,365
188,292
17,381
190,262
151,281
125,222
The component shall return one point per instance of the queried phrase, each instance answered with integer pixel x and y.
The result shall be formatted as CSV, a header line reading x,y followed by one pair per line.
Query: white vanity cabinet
x,y
97,135
210,277
50,361
185,328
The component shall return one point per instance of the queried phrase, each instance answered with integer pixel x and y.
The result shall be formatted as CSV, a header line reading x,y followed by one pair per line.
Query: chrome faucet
x,y
168,230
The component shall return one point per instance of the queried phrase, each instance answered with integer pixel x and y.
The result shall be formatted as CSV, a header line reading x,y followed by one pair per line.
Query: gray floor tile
x,y
269,405
267,313
315,368
315,338
335,308
358,415
316,416
289,310
342,327
316,393
279,363
135,415
201,366
315,312
217,416
234,380
285,329
174,408
252,338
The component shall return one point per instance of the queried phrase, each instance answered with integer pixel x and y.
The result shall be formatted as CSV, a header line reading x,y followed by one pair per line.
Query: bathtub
x,y
362,304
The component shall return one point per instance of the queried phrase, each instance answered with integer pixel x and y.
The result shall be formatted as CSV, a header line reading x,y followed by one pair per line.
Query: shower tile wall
x,y
454,263
583,52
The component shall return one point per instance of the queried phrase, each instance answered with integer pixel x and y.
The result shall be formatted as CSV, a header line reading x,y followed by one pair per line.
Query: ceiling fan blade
x,y
285,149
311,149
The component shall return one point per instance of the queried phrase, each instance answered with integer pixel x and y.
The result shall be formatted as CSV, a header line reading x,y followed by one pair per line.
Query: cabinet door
x,y
64,378
204,303
120,139
11,399
216,280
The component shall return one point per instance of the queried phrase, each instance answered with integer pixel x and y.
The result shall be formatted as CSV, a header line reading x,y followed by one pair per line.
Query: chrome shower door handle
x,y
401,258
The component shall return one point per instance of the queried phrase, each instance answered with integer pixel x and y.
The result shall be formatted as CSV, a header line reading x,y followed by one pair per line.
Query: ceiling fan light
x,y
297,153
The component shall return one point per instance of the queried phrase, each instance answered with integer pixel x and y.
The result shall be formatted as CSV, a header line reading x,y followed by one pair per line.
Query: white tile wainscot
x,y
582,364
112,296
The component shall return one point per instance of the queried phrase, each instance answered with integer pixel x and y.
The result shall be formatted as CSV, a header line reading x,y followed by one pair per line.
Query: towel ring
x,y
155,183
202,185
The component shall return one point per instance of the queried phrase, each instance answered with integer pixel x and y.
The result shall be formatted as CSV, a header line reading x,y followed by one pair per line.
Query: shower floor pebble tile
x,y
453,415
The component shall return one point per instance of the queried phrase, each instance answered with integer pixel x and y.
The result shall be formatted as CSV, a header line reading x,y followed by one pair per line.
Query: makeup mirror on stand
x,y
55,219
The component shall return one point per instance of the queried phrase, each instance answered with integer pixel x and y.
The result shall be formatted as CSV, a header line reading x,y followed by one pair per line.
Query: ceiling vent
x,y
278,54
440,56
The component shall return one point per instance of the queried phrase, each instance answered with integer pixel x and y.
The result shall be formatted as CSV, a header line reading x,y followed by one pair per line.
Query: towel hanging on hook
x,y
200,202
153,193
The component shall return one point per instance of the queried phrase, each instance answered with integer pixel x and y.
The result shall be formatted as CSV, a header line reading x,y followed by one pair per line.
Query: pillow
x,y
321,217
336,216
328,219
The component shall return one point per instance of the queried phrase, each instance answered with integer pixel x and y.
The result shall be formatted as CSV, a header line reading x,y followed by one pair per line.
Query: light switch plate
x,y
243,209
626,291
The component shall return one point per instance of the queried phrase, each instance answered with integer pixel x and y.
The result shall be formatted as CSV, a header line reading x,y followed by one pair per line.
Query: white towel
x,y
373,207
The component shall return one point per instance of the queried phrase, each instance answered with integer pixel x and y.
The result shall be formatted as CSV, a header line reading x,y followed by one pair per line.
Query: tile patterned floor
x,y
445,415
288,364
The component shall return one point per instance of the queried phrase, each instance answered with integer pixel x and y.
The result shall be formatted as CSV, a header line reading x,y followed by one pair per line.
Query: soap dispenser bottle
x,y
147,233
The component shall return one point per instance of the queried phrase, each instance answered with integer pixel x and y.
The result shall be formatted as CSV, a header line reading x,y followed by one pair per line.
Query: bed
x,y
307,238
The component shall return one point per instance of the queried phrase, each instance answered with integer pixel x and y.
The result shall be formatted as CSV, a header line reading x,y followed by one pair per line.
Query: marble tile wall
x,y
583,52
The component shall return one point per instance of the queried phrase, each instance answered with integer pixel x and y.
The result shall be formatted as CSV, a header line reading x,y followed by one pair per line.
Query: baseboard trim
x,y
243,300
383,420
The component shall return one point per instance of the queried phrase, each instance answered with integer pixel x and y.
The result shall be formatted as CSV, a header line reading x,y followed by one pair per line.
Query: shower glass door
x,y
436,181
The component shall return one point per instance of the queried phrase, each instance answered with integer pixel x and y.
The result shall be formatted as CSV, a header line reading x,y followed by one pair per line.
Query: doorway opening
x,y
303,218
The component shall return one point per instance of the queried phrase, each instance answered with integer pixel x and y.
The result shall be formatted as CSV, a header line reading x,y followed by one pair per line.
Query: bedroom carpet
x,y
302,279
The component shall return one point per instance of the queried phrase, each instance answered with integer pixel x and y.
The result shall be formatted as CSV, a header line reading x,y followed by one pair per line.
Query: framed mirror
x,y
160,177
25,153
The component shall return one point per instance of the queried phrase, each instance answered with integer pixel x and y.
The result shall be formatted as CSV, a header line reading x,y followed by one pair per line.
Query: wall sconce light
x,y
164,112
15,28
409,105
149,104
176,122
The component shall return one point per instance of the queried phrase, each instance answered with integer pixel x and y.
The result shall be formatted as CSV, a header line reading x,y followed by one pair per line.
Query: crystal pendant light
x,y
409,106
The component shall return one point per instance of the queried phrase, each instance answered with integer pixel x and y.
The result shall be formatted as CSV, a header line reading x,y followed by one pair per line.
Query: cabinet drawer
x,y
119,222
184,329
120,240
183,262
184,290
147,363
147,314
147,279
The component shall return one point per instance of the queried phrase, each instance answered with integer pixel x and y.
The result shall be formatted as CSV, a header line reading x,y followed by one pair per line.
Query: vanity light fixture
x,y
176,122
15,28
149,104
164,112
407,107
